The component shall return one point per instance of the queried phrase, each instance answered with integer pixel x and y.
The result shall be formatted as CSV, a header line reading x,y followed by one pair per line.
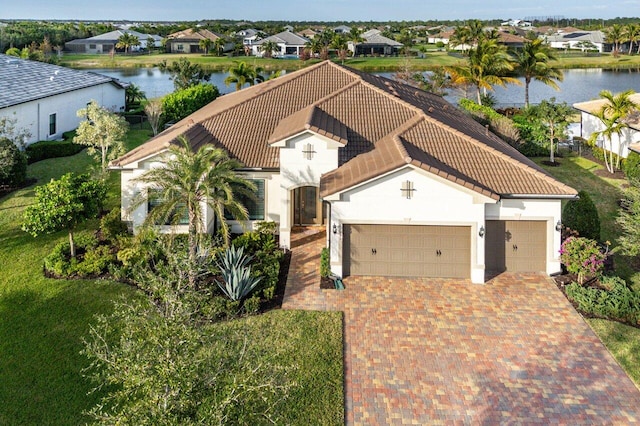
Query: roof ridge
x,y
265,87
494,151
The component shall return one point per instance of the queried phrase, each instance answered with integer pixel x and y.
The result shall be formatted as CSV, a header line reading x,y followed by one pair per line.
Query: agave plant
x,y
236,273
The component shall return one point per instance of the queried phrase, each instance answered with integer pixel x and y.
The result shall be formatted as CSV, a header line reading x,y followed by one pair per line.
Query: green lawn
x,y
623,341
432,60
43,321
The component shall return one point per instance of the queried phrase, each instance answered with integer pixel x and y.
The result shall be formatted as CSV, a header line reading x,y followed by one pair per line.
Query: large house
x,y
405,183
188,41
374,43
619,144
106,43
289,44
580,39
44,98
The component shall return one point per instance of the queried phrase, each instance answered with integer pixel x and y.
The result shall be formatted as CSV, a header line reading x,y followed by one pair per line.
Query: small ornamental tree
x,y
102,131
63,204
582,256
581,215
13,163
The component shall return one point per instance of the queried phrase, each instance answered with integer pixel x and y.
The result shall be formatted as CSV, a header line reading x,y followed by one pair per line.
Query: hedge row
x,y
53,149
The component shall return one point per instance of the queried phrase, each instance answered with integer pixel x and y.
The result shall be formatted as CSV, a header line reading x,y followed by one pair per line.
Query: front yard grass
x,y
623,341
43,321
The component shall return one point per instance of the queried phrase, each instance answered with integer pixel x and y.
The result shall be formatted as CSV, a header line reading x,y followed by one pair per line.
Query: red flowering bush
x,y
582,256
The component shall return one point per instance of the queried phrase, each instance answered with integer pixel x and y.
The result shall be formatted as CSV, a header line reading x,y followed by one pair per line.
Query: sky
x,y
315,10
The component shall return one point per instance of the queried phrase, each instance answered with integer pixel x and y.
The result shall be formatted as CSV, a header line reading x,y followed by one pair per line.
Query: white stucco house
x,y
289,44
404,182
44,98
590,123
581,40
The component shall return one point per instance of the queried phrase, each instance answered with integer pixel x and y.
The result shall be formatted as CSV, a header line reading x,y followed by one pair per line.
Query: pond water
x,y
578,84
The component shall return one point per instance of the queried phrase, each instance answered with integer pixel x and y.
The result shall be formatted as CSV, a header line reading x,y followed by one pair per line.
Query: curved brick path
x,y
426,351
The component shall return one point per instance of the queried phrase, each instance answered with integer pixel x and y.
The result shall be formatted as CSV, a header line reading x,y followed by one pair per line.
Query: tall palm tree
x,y
613,115
187,183
340,44
205,44
487,65
461,37
532,61
126,41
632,35
242,74
614,35
268,47
218,45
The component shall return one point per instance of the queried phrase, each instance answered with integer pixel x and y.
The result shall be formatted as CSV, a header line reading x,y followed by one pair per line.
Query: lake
x,y
578,84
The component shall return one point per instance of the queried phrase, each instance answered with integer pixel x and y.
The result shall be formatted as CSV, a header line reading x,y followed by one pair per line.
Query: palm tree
x,y
486,66
242,74
205,44
268,47
613,115
532,61
339,43
632,35
187,183
461,37
614,35
126,41
218,45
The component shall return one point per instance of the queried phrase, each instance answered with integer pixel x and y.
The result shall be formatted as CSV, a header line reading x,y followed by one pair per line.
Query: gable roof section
x,y
383,124
23,81
286,37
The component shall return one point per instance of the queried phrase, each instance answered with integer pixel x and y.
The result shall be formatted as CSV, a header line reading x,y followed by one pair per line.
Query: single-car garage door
x,y
516,246
407,251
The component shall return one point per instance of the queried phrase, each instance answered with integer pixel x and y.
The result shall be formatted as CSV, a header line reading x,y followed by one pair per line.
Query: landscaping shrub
x,y
178,105
582,256
51,149
60,263
581,215
631,166
237,281
13,164
482,111
112,226
325,267
261,244
532,149
615,301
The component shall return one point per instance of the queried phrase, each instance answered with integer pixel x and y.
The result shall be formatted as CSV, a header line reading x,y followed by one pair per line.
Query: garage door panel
x,y
408,250
516,246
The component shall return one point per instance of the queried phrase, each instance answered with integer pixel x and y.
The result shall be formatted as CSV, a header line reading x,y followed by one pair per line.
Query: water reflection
x,y
578,84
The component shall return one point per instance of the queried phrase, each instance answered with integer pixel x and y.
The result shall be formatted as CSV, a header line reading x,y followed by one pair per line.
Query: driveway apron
x,y
437,351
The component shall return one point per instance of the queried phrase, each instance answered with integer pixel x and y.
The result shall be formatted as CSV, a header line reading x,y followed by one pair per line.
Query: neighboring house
x,y
512,41
342,29
375,44
106,43
590,124
406,184
288,44
44,98
442,36
308,33
188,41
582,40
519,23
249,36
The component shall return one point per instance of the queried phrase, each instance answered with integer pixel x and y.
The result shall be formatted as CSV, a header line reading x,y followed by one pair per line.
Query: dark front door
x,y
307,209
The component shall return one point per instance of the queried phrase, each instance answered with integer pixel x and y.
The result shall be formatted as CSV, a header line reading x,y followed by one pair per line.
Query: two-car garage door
x,y
407,251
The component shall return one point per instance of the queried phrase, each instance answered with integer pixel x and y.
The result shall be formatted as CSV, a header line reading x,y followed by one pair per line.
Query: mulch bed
x,y
326,283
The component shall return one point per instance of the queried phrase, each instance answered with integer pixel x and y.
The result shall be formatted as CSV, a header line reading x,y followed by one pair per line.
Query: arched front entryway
x,y
307,207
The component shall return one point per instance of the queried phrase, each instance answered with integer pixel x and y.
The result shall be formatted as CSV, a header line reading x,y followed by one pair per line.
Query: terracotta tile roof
x,y
190,34
383,124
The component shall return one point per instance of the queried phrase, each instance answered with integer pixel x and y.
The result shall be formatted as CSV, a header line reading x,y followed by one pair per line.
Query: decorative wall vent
x,y
407,189
308,151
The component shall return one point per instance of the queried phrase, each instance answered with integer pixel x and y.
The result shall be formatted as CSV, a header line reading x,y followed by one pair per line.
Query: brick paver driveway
x,y
427,351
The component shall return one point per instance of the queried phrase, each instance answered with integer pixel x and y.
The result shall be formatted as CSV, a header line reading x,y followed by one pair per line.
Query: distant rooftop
x,y
23,81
